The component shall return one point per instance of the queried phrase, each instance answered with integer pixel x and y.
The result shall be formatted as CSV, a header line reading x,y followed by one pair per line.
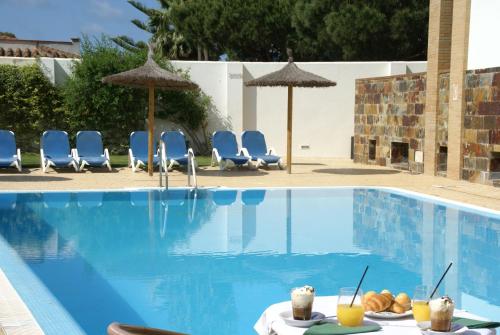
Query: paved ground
x,y
306,172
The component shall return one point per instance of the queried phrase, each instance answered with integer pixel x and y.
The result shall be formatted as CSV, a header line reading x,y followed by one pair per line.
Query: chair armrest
x,y
190,151
271,151
215,154
244,152
163,151
18,154
106,153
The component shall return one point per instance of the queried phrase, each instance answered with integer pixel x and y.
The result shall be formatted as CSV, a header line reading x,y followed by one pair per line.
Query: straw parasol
x,y
291,76
150,76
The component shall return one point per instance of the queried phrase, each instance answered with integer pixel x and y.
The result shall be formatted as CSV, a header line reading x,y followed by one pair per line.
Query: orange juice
x,y
350,316
421,311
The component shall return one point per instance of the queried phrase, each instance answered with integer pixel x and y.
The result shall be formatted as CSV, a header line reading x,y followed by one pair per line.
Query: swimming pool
x,y
210,261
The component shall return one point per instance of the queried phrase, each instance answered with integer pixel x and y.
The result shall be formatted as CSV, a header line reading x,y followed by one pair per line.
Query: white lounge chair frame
x,y
82,162
171,163
226,163
17,163
135,163
46,163
260,162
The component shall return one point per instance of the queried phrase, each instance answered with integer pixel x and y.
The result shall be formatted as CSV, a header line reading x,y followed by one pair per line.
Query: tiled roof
x,y
40,51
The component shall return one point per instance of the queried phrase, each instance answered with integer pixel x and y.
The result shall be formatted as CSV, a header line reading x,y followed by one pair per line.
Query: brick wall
x,y
390,109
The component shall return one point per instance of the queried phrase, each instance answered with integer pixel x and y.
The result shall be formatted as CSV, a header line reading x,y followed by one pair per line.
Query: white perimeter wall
x,y
484,45
57,70
323,119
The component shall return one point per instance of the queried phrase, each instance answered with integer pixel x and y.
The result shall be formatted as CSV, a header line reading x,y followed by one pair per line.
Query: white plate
x,y
387,315
426,325
316,317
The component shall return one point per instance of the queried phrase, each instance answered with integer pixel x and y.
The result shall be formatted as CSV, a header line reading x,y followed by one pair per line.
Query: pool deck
x,y
312,172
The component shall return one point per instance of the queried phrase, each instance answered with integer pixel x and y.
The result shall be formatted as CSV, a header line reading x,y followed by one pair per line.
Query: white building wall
x,y
323,118
484,49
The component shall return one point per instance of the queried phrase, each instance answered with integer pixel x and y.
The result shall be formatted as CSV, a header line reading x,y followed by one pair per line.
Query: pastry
x,y
404,300
368,295
388,294
397,308
377,303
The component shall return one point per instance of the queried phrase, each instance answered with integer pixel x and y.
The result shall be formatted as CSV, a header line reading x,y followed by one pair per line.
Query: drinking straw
x,y
440,280
359,285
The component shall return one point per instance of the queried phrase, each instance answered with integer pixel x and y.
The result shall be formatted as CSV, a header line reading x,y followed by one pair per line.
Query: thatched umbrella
x,y
150,76
291,76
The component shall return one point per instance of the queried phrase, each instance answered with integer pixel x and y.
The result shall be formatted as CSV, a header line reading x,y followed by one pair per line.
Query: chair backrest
x,y
175,143
225,142
7,143
254,141
55,143
89,143
139,143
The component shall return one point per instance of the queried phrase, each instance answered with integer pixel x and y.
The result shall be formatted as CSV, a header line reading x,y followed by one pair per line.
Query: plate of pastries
x,y
385,305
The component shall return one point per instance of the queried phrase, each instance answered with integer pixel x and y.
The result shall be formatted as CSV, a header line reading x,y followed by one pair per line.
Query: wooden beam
x,y
289,131
151,126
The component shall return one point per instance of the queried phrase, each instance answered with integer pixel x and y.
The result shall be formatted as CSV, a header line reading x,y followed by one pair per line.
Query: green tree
x,y
312,40
380,29
29,104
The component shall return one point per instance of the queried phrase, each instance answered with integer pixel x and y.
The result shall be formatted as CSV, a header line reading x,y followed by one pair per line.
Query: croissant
x,y
404,300
377,303
397,308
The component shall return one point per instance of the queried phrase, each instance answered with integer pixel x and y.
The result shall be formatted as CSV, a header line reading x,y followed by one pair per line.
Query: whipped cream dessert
x,y
303,297
441,313
442,305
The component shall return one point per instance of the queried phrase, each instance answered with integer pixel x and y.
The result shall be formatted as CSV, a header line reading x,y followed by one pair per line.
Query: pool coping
x,y
29,322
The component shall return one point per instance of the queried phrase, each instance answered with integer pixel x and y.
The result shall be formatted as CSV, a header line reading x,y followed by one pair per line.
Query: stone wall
x,y
481,123
389,109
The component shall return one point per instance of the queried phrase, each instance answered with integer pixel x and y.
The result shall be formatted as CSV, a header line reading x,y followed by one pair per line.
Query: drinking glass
x,y
350,316
420,304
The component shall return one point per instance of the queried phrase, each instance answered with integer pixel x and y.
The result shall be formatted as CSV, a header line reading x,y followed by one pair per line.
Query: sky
x,y
61,20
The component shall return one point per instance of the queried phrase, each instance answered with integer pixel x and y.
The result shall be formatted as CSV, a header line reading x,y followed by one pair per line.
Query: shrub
x,y
29,104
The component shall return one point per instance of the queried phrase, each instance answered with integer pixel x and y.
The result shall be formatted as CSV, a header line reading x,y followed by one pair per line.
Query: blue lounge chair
x,y
90,151
9,155
55,150
173,149
138,151
225,151
254,145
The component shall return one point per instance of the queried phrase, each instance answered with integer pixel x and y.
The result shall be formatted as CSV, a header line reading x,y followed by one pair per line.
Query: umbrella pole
x,y
151,124
289,131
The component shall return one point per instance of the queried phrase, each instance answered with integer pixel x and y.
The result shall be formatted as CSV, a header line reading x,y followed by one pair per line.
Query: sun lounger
x,y
55,150
121,329
90,151
225,150
254,146
9,155
138,151
173,149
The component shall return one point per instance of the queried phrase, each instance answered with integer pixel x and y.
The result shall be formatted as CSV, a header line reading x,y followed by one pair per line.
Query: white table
x,y
271,323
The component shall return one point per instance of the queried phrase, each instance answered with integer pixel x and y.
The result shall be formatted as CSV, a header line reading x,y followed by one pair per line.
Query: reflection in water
x,y
210,261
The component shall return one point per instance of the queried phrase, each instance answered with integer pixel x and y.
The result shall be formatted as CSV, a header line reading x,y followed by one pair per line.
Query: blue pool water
x,y
210,262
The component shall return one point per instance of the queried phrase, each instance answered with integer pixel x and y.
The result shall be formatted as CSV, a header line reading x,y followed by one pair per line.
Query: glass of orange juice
x,y
350,316
420,304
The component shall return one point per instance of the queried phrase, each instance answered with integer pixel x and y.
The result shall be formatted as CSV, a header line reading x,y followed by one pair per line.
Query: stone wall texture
x,y
391,109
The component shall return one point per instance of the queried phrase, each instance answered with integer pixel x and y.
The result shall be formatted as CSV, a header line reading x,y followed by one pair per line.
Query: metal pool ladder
x,y
191,172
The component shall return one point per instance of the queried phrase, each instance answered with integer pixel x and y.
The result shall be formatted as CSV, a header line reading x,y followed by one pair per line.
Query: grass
x,y
32,160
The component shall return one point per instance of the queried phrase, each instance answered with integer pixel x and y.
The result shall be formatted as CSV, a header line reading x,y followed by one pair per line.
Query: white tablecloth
x,y
271,323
